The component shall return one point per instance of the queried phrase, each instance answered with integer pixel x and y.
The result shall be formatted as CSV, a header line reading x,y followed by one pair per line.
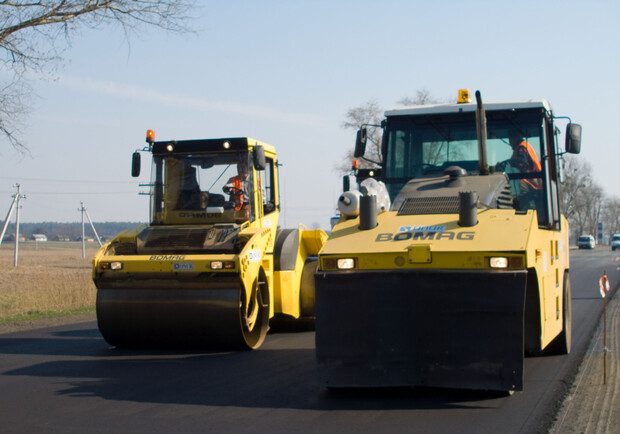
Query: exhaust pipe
x,y
468,208
368,212
481,131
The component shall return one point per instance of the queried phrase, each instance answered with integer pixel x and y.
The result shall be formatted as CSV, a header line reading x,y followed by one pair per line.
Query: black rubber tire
x,y
285,249
562,343
306,289
255,317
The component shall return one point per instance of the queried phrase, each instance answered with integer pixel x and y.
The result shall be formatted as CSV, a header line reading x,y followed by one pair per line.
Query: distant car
x,y
615,241
585,242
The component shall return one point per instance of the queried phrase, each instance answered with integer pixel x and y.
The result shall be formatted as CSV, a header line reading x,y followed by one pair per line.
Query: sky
x,y
285,73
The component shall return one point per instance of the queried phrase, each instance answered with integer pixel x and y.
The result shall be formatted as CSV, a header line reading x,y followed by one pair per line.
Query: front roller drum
x,y
184,318
431,328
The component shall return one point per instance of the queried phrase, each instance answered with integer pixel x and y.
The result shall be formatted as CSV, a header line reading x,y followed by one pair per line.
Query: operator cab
x,y
430,142
210,181
207,187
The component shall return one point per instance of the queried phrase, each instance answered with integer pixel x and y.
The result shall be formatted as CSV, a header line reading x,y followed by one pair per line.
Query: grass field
x,y
51,279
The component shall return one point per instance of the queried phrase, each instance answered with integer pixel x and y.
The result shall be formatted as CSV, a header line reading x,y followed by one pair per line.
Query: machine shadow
x,y
265,378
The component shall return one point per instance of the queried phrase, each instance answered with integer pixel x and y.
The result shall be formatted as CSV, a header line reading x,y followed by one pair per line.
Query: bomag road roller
x,y
466,268
212,267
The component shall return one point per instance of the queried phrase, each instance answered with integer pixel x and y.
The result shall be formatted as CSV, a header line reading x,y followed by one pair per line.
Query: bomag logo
x,y
427,236
198,215
167,257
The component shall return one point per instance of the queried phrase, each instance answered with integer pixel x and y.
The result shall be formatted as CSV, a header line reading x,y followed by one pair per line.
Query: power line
x,y
68,180
78,192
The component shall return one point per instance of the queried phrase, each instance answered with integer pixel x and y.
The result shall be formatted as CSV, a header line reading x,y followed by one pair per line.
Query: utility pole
x,y
92,226
18,196
8,217
83,210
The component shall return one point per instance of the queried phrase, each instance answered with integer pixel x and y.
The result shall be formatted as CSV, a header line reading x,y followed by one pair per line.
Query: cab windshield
x,y
427,144
201,188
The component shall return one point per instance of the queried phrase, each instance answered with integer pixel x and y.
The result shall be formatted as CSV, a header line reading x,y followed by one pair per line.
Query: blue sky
x,y
285,72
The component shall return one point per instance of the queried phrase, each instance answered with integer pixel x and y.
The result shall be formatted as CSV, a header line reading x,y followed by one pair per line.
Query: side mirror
x,y
135,164
383,145
258,155
346,183
360,142
573,138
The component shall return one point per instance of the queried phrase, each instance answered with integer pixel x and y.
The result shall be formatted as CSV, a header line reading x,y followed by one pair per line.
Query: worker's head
x,y
242,170
514,138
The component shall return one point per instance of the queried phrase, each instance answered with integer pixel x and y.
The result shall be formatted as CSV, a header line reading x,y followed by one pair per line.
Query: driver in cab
x,y
238,188
524,159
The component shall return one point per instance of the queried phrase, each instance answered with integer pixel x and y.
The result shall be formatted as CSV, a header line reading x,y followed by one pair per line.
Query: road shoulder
x,y
595,393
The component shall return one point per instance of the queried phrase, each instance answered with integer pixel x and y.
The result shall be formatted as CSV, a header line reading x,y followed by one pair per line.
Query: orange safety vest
x,y
533,159
237,196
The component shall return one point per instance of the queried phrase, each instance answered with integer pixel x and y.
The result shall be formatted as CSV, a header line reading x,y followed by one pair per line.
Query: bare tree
x,y
573,171
35,34
370,113
581,198
611,215
422,97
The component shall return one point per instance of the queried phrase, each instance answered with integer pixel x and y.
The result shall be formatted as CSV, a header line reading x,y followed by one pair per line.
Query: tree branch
x,y
30,33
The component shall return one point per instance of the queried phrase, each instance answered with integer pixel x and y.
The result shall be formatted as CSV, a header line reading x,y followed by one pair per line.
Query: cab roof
x,y
468,107
209,145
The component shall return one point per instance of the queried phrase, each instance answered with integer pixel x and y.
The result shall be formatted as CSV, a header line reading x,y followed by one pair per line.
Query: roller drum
x,y
432,328
157,317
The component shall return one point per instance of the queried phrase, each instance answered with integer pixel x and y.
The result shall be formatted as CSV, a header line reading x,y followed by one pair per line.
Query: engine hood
x,y
166,239
439,194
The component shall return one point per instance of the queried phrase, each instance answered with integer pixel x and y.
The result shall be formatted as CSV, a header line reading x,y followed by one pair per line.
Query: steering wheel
x,y
235,191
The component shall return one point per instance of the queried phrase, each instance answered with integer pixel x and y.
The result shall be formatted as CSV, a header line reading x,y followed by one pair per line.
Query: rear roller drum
x,y
227,318
254,315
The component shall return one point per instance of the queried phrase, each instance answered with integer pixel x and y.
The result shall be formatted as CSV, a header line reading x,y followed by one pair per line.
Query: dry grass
x,y
50,279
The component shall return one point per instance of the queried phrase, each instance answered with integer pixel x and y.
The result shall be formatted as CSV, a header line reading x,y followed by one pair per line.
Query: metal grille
x,y
176,238
430,205
505,200
216,239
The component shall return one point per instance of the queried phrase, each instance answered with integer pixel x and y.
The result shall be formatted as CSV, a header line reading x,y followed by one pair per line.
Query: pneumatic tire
x,y
562,343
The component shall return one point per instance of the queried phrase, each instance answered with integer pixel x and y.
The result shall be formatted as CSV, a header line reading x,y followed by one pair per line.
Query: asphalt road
x,y
67,379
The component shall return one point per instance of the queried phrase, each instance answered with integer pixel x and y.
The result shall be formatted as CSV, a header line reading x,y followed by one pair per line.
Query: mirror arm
x,y
378,163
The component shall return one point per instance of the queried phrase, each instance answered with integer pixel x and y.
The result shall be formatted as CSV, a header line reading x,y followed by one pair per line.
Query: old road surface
x,y
67,379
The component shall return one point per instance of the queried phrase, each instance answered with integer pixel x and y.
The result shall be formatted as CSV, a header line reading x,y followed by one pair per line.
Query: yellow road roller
x,y
212,267
450,262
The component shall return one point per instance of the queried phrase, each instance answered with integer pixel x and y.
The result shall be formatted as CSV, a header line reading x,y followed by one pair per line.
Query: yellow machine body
x,y
465,272
499,233
209,270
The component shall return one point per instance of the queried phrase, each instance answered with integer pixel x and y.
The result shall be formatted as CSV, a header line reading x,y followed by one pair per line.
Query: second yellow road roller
x,y
212,266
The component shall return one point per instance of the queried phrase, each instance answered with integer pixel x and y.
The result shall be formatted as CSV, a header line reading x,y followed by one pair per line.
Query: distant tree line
x,y
69,231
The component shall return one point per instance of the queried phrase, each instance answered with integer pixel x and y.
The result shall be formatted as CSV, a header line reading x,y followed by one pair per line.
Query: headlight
x,y
511,262
222,265
498,262
338,263
346,263
111,265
